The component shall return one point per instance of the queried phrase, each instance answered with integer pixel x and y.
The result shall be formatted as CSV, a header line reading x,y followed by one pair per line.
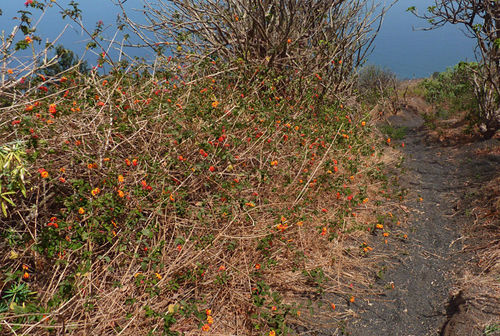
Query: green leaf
x,y
23,189
497,42
91,45
411,9
8,193
25,29
4,209
8,200
21,45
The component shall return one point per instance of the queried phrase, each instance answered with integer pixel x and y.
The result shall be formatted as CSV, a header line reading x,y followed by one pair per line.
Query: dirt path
x,y
438,180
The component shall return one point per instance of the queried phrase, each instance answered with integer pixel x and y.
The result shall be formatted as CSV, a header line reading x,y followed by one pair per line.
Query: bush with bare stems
x,y
327,39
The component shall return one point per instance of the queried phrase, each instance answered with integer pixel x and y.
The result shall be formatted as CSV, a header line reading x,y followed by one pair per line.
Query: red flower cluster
x,y
145,186
53,222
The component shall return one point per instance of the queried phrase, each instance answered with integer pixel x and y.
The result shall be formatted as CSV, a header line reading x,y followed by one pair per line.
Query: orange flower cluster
x,y
366,248
210,321
26,275
282,226
52,109
95,191
134,162
53,222
43,173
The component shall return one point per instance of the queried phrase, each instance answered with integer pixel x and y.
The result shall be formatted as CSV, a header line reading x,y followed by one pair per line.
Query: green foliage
x,y
17,298
492,329
66,59
271,309
453,90
12,174
395,133
18,293
74,12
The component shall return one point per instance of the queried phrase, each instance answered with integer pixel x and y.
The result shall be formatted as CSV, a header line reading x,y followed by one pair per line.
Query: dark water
x,y
399,47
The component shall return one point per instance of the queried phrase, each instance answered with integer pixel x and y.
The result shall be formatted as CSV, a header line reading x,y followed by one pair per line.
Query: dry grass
x,y
480,285
239,239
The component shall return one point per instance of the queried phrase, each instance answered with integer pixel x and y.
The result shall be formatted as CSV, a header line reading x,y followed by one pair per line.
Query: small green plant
x,y
12,174
270,309
492,329
395,133
168,318
18,294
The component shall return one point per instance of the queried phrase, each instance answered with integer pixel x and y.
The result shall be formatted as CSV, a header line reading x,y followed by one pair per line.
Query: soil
x,y
419,289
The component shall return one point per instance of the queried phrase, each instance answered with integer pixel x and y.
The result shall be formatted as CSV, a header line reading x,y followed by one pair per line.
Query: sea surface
x,y
410,52
401,45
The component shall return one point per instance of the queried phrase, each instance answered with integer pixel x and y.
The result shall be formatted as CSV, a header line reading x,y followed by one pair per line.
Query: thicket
x,y
453,90
200,193
375,83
